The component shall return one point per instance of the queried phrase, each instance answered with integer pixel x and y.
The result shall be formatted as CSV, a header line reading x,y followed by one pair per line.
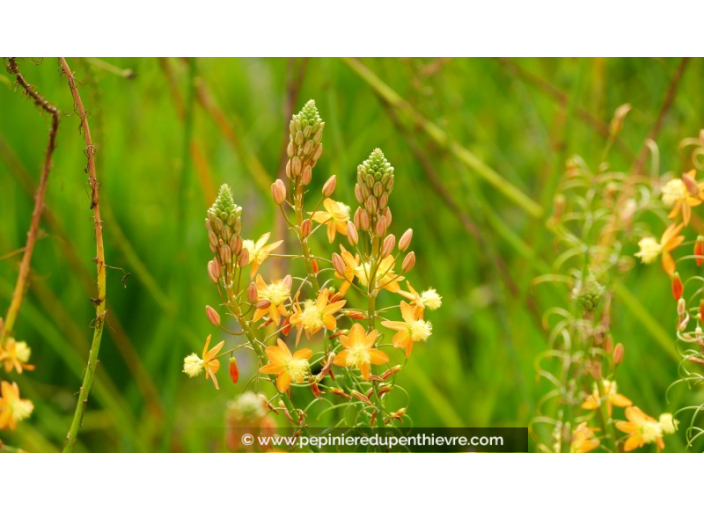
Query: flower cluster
x,y
14,357
358,263
682,196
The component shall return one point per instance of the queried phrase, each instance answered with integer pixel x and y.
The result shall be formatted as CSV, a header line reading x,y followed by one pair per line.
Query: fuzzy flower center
x,y
362,273
650,431
358,356
420,330
192,365
649,249
276,293
673,191
431,299
297,369
21,409
22,352
311,317
251,248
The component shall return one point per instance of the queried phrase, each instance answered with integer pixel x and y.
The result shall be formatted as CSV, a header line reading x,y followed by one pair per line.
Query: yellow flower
x,y
336,216
193,365
650,248
641,429
385,277
258,252
358,351
683,194
427,299
289,367
412,329
613,398
315,315
351,263
15,355
276,294
583,439
13,409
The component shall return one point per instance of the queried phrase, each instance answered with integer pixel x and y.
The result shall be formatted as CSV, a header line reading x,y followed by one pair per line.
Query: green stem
x,y
298,198
604,414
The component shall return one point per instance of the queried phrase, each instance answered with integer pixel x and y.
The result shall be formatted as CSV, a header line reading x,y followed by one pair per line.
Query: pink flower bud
x,y
243,259
409,261
352,235
381,226
338,263
278,191
213,316
405,241
388,245
252,292
214,270
306,228
329,186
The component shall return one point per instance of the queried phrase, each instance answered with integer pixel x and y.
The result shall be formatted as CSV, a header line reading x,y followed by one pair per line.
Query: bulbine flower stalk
x,y
341,371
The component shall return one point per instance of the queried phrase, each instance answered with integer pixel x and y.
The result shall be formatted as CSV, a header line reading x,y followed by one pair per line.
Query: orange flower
x,y
289,367
428,298
641,429
15,355
612,398
683,194
351,263
669,241
258,252
193,365
358,351
412,329
315,315
583,439
276,294
336,216
12,408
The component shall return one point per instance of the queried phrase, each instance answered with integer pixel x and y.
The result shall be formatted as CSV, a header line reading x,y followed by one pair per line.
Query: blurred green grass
x,y
478,367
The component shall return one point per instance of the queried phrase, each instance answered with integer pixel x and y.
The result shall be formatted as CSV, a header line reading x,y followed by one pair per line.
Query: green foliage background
x,y
478,367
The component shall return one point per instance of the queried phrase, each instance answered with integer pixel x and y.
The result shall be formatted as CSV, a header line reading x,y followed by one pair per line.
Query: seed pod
x,y
234,370
213,315
618,354
306,228
338,263
388,245
408,262
405,241
329,186
352,235
278,191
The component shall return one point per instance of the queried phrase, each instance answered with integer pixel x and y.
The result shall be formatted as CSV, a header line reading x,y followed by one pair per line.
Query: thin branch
x,y
666,104
18,293
100,310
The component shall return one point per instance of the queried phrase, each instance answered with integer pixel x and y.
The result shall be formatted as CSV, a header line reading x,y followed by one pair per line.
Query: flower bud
x,y
329,186
307,174
214,270
596,371
296,166
234,370
405,241
278,191
701,309
352,235
225,254
408,262
677,287
357,219
699,250
243,259
338,263
618,353
213,239
358,193
252,292
213,316
381,226
318,152
339,392
361,396
306,228
288,281
365,221
263,304
388,246
393,370
690,184
681,307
